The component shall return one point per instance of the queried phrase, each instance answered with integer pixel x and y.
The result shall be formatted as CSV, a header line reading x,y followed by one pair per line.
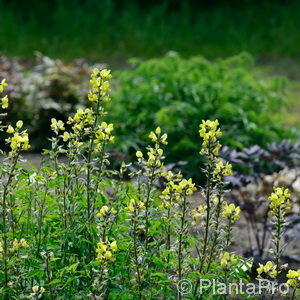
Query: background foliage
x,y
178,93
108,29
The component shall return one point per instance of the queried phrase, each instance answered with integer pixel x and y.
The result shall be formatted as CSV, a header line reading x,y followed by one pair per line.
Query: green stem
x,y
5,229
181,234
89,165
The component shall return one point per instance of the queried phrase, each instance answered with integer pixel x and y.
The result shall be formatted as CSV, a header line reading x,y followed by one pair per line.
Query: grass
x,y
108,30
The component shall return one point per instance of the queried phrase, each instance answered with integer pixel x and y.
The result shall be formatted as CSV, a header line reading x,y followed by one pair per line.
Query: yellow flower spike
x,y
279,198
210,133
100,87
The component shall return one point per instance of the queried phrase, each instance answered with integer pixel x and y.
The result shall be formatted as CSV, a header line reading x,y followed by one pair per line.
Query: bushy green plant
x,y
63,235
180,92
73,229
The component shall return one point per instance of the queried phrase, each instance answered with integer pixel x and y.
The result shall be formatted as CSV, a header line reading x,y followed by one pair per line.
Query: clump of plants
x,y
73,229
179,92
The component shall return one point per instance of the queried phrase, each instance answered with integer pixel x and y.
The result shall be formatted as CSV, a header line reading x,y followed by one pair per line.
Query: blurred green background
x,y
110,29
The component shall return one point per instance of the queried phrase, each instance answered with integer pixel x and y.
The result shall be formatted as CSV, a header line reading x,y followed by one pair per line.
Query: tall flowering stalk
x,y
220,172
184,189
231,213
216,216
210,132
140,207
169,204
279,205
153,169
18,141
98,94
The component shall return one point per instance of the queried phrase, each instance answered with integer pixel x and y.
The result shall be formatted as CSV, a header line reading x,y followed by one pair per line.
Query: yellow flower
x,y
66,136
57,125
38,289
23,243
113,246
105,251
19,124
16,245
226,258
231,211
108,255
2,85
158,130
104,133
4,102
134,205
100,88
210,132
139,154
279,198
19,141
104,209
105,73
153,136
186,187
93,97
294,278
198,213
10,129
222,170
163,139
269,269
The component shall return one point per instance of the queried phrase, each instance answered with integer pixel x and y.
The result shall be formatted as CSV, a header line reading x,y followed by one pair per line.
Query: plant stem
x,y
89,165
181,234
5,229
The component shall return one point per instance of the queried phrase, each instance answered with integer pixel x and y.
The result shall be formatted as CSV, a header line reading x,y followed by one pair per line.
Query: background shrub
x,y
179,93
